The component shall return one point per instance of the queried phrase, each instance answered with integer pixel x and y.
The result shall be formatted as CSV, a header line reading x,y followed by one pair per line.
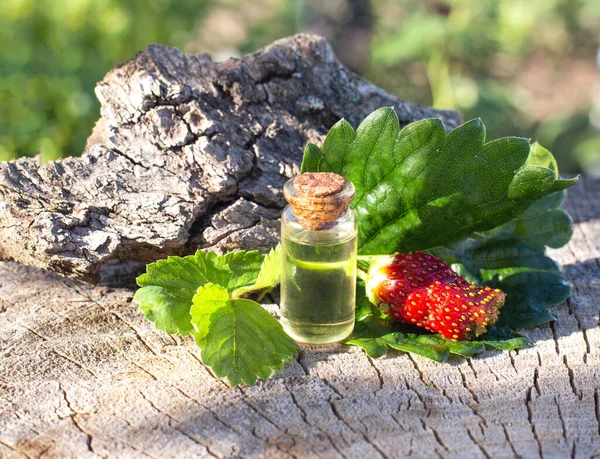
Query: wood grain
x,y
83,374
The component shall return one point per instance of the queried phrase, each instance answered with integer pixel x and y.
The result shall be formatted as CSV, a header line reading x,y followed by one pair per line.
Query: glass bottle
x,y
318,235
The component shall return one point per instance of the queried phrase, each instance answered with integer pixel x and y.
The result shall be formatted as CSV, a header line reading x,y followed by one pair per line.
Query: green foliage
x,y
168,286
463,54
529,294
489,209
419,188
200,294
471,55
52,54
239,339
268,277
472,33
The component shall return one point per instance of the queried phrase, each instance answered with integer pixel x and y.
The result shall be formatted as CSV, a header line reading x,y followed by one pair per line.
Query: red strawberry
x,y
460,312
423,290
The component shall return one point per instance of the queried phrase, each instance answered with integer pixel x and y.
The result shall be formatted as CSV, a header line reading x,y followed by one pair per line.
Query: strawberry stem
x,y
360,273
363,264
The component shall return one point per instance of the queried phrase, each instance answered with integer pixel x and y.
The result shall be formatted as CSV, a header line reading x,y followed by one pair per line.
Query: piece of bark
x,y
83,374
187,154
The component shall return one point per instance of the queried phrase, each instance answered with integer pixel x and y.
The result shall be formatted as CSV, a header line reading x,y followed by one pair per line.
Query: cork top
x,y
318,198
319,184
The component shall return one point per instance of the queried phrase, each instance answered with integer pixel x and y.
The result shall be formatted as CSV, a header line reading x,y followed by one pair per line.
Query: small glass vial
x,y
318,235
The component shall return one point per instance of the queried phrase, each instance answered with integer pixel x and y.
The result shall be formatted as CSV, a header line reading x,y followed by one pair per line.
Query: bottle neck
x,y
339,230
318,199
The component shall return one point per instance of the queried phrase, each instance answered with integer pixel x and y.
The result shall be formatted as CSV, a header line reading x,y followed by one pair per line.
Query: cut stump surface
x,y
84,374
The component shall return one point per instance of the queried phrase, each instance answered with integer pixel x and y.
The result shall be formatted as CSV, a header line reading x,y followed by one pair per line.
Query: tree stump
x,y
84,374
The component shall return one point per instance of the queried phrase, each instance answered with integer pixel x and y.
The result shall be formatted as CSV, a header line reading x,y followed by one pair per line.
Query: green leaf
x,y
239,339
238,269
518,245
517,242
375,347
488,209
484,258
268,277
199,294
502,339
208,299
169,309
371,326
335,147
528,295
168,286
542,224
433,347
419,188
539,156
513,257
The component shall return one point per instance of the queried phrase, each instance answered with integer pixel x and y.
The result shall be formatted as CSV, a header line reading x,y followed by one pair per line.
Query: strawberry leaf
x,y
502,339
529,295
516,245
268,277
420,188
239,339
512,257
168,286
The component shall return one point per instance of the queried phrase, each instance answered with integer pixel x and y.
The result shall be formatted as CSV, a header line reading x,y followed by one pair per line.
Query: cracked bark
x,y
187,154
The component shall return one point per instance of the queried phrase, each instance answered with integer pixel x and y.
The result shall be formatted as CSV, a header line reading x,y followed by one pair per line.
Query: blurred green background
x,y
526,67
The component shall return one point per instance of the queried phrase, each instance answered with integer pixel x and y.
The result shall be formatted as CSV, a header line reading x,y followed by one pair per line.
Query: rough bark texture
x,y
83,374
188,154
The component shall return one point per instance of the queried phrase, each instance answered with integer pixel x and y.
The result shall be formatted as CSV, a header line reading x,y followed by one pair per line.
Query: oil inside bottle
x,y
318,285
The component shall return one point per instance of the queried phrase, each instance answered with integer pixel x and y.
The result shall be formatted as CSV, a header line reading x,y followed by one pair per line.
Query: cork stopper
x,y
318,198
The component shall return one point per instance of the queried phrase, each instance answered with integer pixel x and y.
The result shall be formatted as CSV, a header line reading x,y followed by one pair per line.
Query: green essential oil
x,y
318,285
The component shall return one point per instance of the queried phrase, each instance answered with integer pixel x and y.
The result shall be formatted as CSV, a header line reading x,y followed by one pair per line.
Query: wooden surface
x,y
83,374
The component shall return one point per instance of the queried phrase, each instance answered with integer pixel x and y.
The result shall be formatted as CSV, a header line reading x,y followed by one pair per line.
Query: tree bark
x,y
187,154
83,374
